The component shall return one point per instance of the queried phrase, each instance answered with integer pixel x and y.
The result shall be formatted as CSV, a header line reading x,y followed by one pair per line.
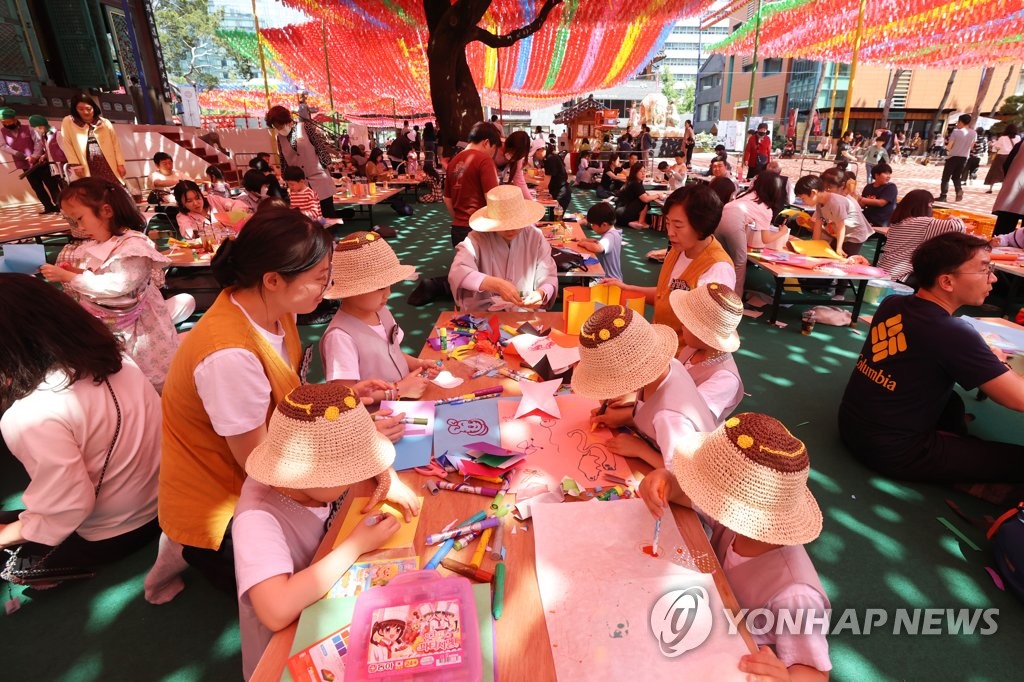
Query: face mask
x,y
286,130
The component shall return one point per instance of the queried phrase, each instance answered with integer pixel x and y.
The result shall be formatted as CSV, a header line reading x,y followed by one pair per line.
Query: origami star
x,y
539,397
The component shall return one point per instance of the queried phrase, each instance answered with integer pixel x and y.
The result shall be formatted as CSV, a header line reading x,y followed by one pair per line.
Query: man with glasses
x,y
900,415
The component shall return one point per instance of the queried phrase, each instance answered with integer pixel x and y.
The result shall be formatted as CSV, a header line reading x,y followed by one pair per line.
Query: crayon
x,y
463,488
461,401
442,334
498,605
478,555
510,329
437,538
419,421
657,533
479,393
498,500
462,569
440,554
512,374
498,541
465,541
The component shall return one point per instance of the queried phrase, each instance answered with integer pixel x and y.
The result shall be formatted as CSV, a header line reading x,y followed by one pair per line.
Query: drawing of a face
x,y
470,427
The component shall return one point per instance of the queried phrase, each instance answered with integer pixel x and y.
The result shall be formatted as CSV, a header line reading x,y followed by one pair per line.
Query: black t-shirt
x,y
629,200
879,215
608,182
554,167
905,373
843,147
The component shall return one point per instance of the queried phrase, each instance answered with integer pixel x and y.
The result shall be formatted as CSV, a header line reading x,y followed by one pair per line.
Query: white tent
x,y
982,121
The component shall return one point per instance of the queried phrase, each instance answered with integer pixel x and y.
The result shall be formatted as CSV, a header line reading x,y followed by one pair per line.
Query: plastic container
x,y
878,289
419,626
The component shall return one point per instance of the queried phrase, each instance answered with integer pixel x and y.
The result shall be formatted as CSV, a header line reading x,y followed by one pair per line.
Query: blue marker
x,y
440,554
657,532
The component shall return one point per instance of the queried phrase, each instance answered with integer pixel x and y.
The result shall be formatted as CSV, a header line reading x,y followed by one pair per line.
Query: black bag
x,y
566,260
401,207
385,231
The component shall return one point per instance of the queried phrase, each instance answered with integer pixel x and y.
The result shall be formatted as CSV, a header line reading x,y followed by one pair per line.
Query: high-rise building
x,y
686,47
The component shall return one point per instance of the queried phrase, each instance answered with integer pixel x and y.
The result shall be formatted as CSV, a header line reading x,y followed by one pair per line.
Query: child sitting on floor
x,y
505,263
748,480
205,216
709,316
601,218
363,340
667,408
320,441
301,196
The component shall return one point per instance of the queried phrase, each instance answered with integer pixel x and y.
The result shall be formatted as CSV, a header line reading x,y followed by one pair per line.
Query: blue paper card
x,y
456,426
413,450
1005,338
23,258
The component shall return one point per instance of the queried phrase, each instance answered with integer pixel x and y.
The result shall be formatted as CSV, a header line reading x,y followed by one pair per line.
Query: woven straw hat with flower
x,y
320,436
711,312
621,352
506,209
364,262
750,475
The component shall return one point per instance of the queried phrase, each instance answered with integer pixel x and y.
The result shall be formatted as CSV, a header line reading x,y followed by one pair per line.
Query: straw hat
x,y
506,209
750,475
711,312
621,352
364,262
320,436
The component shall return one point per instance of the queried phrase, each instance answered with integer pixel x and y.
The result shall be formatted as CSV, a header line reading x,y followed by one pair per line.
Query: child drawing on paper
x,y
385,640
470,427
594,457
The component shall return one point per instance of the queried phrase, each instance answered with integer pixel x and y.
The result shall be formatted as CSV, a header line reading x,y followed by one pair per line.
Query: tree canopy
x,y
188,32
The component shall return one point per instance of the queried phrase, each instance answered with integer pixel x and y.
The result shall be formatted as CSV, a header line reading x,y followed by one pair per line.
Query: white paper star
x,y
539,396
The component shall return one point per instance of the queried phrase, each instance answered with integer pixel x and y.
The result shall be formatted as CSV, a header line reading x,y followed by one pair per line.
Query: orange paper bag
x,y
579,303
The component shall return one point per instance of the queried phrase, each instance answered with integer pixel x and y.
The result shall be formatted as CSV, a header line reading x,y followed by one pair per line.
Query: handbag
x,y
566,260
23,570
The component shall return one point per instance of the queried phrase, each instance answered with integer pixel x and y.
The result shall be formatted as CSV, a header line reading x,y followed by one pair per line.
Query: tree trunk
x,y
1002,90
986,81
814,105
939,114
889,95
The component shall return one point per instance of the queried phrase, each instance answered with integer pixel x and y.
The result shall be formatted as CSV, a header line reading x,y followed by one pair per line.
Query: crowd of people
x,y
217,445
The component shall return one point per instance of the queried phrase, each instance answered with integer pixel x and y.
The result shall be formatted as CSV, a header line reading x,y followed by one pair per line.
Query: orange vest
x,y
199,478
662,310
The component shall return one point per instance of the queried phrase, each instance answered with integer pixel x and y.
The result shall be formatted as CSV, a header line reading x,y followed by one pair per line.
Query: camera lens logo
x,y
681,620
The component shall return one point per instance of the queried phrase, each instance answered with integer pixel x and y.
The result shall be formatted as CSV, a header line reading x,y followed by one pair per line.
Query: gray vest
x,y
703,371
302,530
759,579
677,393
377,359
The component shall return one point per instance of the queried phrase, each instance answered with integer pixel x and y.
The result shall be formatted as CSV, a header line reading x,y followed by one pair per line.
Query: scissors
x,y
433,468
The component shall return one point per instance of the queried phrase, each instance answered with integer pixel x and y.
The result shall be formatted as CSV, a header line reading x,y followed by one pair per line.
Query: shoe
x,y
959,196
637,225
988,192
839,297
941,197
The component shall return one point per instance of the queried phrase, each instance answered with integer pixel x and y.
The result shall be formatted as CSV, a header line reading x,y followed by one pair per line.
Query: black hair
x,y
214,172
41,330
634,171
293,173
485,131
965,119
917,203
78,99
160,157
701,204
601,213
182,189
724,188
277,240
518,143
942,255
94,192
278,116
663,165
770,190
428,168
806,184
376,155
882,168
254,180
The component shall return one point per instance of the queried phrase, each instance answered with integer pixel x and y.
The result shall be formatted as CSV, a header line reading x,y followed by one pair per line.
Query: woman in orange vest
x,y
224,382
695,257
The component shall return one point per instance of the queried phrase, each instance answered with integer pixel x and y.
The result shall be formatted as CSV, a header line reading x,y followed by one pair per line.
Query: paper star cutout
x,y
539,397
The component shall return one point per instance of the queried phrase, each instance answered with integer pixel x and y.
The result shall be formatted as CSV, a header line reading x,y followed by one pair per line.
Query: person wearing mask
x,y
758,151
304,146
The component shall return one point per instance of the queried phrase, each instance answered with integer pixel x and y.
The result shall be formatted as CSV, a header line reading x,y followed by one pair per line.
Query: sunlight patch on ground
x,y
778,381
907,591
895,489
887,513
85,669
884,545
965,588
228,644
108,604
826,482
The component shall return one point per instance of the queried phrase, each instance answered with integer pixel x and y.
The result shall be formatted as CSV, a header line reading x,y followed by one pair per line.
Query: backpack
x,y
566,260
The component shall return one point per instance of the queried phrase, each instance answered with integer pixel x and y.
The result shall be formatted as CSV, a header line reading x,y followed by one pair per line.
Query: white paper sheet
x,y
598,589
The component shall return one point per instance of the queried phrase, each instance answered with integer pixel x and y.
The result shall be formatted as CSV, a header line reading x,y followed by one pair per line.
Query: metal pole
x,y
263,61
853,64
753,72
327,66
501,107
832,102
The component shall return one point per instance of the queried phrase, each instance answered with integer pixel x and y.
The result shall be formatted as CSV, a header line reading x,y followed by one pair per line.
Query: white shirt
x,y
721,272
718,391
61,435
341,357
233,386
671,429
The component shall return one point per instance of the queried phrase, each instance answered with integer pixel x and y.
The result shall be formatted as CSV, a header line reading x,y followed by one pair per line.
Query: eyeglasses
x,y
989,269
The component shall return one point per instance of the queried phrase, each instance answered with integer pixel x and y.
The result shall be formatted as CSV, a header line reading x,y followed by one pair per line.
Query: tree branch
x,y
491,40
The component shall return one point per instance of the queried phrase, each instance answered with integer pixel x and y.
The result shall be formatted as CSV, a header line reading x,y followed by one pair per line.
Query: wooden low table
x,y
780,272
368,202
522,646
593,271
46,227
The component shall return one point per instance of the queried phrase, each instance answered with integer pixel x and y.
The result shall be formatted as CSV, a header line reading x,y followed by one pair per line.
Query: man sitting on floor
x,y
899,414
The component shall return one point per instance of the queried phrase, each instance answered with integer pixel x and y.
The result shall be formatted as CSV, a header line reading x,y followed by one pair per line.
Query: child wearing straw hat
x,y
621,353
320,441
363,340
748,479
505,263
709,316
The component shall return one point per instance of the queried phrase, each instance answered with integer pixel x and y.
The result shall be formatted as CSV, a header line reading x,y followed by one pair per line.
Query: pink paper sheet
x,y
559,447
598,590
